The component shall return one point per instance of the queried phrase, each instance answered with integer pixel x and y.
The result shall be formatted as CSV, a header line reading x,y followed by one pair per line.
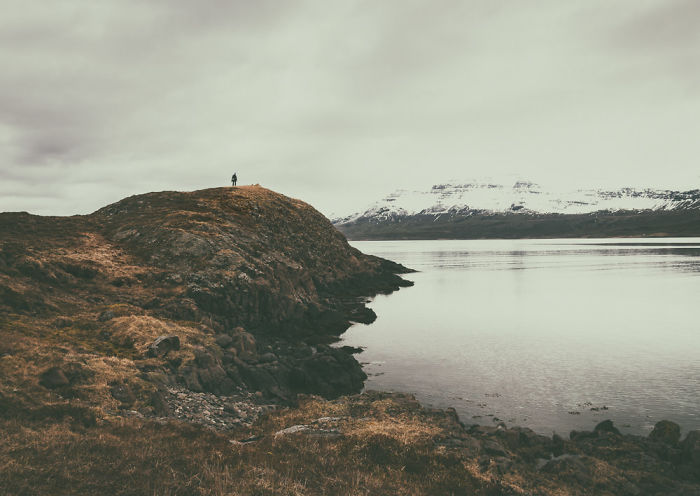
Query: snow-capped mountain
x,y
519,197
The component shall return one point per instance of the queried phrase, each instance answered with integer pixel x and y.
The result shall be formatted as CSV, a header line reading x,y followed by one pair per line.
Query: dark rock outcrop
x,y
691,448
53,378
666,431
606,426
106,315
163,344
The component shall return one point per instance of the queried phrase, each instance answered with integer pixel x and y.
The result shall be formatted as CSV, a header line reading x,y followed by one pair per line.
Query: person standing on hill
x,y
234,179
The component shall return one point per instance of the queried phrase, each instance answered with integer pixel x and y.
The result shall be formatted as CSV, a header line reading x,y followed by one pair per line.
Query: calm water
x,y
541,333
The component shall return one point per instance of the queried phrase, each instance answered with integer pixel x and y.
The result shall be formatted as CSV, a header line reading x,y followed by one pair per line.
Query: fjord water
x,y
550,334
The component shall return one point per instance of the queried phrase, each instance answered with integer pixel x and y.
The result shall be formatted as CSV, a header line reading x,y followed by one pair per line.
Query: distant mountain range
x,y
524,209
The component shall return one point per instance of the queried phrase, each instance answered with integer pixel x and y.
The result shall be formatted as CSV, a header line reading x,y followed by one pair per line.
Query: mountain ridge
x,y
522,196
490,210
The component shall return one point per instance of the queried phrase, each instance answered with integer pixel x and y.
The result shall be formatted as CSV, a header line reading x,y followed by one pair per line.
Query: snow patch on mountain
x,y
519,197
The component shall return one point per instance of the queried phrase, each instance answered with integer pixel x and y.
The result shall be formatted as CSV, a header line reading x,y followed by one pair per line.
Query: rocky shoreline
x,y
602,461
514,460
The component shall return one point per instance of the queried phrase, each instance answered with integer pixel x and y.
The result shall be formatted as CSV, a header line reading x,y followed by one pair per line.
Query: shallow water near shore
x,y
554,335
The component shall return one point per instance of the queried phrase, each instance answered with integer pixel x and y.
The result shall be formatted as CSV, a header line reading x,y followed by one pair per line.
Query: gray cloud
x,y
99,100
669,25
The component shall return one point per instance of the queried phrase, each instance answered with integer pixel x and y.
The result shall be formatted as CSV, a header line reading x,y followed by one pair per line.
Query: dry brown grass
x,y
105,352
388,445
132,456
139,331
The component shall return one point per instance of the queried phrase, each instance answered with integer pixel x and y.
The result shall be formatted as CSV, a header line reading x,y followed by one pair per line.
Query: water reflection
x,y
554,334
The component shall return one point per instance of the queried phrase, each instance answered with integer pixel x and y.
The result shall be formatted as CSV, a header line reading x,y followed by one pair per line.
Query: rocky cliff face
x,y
249,287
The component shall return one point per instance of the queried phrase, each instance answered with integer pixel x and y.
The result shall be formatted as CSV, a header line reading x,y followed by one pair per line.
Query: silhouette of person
x,y
234,179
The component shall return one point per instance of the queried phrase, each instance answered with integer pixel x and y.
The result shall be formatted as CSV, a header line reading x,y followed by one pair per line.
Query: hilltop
x,y
214,267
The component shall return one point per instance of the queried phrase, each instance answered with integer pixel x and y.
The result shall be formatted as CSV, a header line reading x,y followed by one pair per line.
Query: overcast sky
x,y
340,102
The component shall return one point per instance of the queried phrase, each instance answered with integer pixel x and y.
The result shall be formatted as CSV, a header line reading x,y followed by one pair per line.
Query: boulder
x,y
502,465
164,344
330,373
159,403
257,377
293,430
244,343
666,431
493,448
223,340
606,426
203,358
690,448
310,431
352,350
53,378
190,377
215,380
122,392
267,358
106,315
528,437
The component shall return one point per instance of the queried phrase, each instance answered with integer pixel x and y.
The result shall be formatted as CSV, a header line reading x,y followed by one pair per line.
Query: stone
x,y
325,433
352,350
571,467
482,430
53,378
293,430
106,315
310,431
122,393
511,437
580,435
159,404
326,420
250,439
606,426
258,378
223,340
502,464
666,431
191,379
215,380
690,448
244,343
204,358
267,358
528,437
164,344
493,448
